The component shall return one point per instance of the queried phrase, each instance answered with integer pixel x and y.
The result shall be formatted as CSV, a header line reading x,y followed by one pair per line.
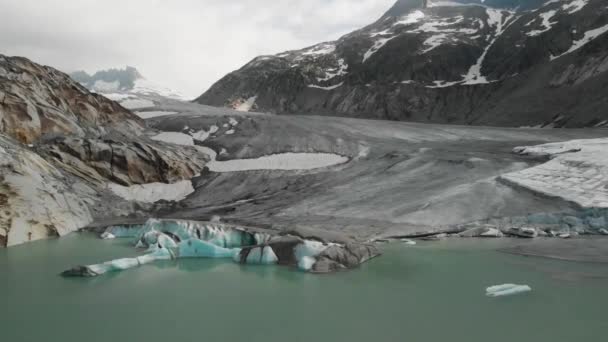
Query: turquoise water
x,y
429,292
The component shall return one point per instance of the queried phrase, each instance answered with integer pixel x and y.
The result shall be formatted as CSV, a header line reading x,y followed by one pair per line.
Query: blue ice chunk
x,y
544,218
597,222
201,249
306,263
125,231
254,256
127,263
573,221
268,256
263,255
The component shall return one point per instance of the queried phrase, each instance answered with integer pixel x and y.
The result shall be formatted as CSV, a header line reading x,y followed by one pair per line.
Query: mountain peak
x,y
402,7
109,78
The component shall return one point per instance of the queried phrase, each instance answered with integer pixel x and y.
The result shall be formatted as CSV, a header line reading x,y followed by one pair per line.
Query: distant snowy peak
x,y
127,81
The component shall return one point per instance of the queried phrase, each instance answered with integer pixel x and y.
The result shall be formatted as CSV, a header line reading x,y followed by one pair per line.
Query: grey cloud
x,y
185,44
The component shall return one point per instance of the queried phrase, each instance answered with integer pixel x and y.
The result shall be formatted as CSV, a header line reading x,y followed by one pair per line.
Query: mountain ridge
x,y
447,63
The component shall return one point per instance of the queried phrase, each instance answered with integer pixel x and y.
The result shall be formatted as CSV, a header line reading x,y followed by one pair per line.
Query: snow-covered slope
x,y
128,87
493,62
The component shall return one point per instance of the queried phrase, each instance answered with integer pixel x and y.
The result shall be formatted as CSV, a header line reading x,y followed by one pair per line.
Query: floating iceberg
x,y
175,239
119,264
507,290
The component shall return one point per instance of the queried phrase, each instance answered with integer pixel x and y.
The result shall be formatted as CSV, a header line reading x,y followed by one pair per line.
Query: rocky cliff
x,y
62,147
503,62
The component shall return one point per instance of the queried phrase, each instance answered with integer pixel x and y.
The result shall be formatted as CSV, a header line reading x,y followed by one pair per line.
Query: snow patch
x,y
588,37
118,97
434,41
247,104
495,19
174,138
153,114
575,6
341,70
319,50
153,192
103,86
283,161
443,84
203,135
378,44
137,103
326,88
546,23
411,18
146,87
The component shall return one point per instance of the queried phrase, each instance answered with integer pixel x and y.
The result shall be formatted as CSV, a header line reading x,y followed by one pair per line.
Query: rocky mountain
x,y
62,150
128,87
492,62
36,100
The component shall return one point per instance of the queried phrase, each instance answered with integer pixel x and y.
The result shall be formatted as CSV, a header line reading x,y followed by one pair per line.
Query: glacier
x,y
177,239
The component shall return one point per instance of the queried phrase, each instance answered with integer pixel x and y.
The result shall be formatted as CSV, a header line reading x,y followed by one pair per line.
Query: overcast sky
x,y
183,44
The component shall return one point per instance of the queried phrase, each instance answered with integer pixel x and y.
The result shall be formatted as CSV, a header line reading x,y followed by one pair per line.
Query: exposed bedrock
x,y
36,100
36,199
63,147
125,162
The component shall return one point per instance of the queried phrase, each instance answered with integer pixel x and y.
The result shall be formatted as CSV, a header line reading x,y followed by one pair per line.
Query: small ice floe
x,y
507,290
409,242
108,236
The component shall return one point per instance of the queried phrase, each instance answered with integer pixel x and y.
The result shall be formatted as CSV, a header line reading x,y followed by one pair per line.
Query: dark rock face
x,y
37,100
125,162
62,146
515,63
338,258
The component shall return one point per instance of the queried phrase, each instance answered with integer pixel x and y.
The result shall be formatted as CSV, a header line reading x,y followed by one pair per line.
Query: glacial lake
x,y
434,291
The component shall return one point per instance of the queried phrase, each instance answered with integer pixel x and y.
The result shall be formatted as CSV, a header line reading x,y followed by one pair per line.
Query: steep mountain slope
x,y
37,100
519,63
63,149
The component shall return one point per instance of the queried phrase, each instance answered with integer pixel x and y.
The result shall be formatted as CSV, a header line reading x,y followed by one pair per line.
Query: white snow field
x,y
282,161
153,192
153,114
136,103
577,172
